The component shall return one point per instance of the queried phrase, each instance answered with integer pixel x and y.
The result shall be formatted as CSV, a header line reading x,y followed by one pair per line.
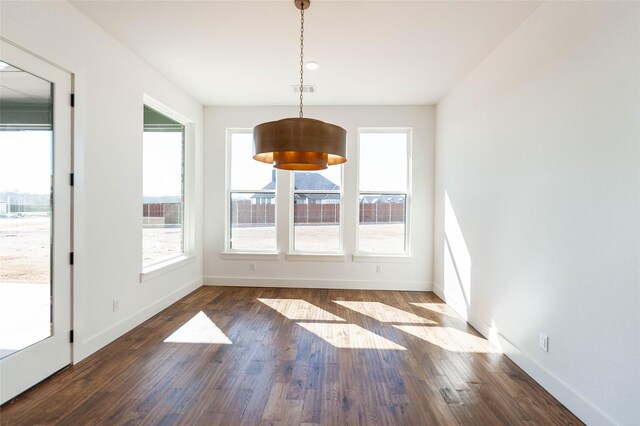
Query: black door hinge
x,y
71,179
73,99
70,336
71,258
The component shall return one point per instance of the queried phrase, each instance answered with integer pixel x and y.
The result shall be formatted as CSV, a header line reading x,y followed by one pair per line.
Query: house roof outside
x,y
315,181
382,198
305,181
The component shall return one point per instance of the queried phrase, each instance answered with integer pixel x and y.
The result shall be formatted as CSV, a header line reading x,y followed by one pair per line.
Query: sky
x,y
162,164
247,173
383,162
25,161
383,165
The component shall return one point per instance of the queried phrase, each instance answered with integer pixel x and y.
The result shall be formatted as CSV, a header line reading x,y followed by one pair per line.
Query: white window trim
x,y
158,269
227,252
360,256
247,255
153,270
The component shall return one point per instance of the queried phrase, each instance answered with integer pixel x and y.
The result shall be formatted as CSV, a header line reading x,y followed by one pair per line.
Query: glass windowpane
x,y
382,223
383,186
163,190
316,215
325,180
26,211
316,222
252,221
252,197
383,162
247,173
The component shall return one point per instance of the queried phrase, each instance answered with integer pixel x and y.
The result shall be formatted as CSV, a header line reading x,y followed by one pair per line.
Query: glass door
x,y
35,220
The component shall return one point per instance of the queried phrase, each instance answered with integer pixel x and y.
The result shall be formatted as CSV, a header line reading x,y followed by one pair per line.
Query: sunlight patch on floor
x,y
384,313
199,329
451,339
350,336
300,310
440,308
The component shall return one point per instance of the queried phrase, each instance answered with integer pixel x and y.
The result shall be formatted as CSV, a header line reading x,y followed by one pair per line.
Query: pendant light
x,y
300,143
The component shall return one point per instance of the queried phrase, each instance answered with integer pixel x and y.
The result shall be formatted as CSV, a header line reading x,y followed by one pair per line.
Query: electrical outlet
x,y
116,305
378,268
543,342
252,266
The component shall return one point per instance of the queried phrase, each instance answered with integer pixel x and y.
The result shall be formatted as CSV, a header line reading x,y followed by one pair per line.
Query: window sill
x,y
389,258
249,255
315,257
153,271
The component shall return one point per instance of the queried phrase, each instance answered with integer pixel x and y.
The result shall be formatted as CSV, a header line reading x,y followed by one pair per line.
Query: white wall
x,y
413,275
110,85
538,153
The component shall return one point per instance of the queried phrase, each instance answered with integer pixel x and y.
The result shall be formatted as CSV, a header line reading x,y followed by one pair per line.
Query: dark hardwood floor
x,y
329,357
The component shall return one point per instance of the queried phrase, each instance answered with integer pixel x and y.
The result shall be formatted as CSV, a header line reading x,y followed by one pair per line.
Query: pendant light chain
x,y
301,54
300,143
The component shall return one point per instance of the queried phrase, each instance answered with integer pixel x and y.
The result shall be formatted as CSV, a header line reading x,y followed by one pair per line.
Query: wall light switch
x,y
543,342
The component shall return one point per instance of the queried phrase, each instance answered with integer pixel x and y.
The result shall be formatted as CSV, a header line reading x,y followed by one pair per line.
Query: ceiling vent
x,y
305,89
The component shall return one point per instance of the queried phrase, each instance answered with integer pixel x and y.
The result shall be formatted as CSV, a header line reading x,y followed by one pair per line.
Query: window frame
x,y
152,270
293,253
360,255
266,254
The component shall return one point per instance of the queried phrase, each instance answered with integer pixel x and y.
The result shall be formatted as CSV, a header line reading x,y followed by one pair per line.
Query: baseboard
x,y
318,283
569,397
96,342
453,302
439,291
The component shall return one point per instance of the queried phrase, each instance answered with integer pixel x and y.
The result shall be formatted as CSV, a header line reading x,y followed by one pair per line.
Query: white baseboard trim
x,y
569,397
438,291
96,342
318,283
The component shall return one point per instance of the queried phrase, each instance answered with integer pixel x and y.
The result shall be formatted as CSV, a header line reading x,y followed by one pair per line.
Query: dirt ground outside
x,y
25,250
160,243
374,238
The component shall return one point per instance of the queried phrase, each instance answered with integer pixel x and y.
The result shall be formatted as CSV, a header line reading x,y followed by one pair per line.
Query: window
x,y
163,188
316,211
383,181
251,195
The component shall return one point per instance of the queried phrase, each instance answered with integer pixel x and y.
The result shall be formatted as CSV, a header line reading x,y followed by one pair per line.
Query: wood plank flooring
x,y
299,357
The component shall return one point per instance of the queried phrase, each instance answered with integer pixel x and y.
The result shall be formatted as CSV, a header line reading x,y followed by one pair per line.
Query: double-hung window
x,y
316,211
384,165
251,197
163,188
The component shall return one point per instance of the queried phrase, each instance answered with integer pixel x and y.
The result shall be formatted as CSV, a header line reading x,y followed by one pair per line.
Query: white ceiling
x,y
370,53
18,87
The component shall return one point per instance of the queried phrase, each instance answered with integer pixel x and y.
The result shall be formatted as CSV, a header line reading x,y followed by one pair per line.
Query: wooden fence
x,y
244,213
162,213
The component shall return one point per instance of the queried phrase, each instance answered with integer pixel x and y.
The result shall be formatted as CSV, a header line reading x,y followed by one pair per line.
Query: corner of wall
x,y
572,399
89,345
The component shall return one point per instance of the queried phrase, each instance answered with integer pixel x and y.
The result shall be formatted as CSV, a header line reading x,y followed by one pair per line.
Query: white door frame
x,y
25,368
